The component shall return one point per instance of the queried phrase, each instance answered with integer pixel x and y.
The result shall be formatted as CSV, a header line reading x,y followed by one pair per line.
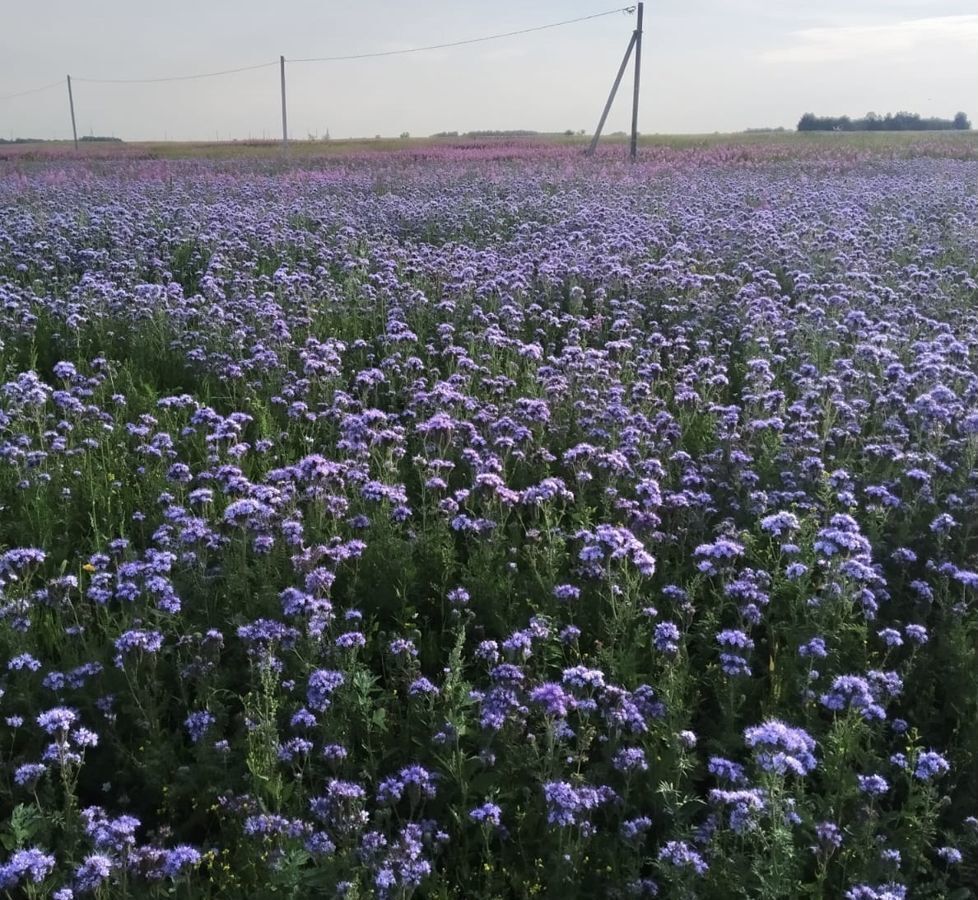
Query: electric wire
x,y
36,90
312,59
477,40
264,65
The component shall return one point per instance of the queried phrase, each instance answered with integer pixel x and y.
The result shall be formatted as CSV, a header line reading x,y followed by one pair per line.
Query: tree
x,y
901,121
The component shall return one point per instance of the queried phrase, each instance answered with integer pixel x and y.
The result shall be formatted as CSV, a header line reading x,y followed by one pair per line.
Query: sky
x,y
708,65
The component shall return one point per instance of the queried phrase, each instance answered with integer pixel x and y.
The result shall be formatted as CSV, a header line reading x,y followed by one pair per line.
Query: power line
x,y
281,62
265,65
177,77
478,40
36,90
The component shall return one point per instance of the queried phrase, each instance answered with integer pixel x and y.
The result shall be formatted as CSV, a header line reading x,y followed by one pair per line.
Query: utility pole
x,y
638,77
71,106
611,98
285,126
635,43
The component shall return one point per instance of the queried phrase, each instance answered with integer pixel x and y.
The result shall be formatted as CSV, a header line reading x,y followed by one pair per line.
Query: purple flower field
x,y
490,522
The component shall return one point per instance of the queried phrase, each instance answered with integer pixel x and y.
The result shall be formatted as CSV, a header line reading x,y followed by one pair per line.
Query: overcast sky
x,y
708,65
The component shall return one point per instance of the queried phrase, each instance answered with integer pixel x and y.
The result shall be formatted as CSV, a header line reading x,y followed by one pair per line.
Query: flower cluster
x,y
482,515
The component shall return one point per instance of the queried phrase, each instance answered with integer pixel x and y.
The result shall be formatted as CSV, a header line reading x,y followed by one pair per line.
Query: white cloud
x,y
900,40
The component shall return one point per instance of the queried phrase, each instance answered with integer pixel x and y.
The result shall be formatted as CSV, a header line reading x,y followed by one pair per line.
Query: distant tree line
x,y
517,132
902,121
89,138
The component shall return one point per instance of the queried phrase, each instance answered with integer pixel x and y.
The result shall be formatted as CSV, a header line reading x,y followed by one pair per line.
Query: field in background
x,y
959,144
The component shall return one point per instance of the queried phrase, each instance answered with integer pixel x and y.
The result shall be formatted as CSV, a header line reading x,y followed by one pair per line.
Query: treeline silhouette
x,y
515,132
902,121
87,138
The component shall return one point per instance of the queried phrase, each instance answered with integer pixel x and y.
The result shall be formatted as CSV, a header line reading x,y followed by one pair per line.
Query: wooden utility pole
x,y
71,106
611,98
285,126
635,43
638,76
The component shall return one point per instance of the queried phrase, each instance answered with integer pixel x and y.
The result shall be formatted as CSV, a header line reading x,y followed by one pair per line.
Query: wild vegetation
x,y
469,523
902,121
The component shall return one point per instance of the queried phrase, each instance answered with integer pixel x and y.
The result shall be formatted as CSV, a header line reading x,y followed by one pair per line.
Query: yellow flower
x,y
88,567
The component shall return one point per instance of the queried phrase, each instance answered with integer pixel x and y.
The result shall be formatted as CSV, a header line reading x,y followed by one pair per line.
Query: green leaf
x,y
25,823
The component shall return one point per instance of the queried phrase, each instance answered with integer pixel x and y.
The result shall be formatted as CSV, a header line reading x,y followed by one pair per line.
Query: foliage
x,y
476,524
902,121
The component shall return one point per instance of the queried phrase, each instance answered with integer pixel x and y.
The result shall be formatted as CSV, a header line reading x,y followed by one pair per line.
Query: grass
x,y
899,142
